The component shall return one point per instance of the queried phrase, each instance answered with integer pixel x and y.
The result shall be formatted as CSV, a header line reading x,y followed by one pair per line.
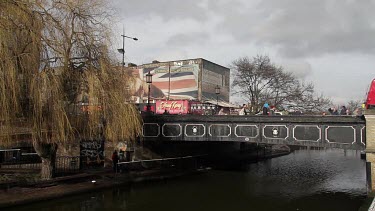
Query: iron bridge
x,y
346,132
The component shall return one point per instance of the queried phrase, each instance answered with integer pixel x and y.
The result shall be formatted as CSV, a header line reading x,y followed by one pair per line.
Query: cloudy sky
x,y
328,42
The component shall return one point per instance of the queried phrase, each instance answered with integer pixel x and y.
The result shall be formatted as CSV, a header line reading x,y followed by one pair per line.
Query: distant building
x,y
192,79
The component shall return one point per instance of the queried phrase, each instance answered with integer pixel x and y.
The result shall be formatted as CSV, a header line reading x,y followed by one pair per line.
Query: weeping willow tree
x,y
53,58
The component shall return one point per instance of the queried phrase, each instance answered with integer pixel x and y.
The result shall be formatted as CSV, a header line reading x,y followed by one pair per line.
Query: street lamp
x,y
122,50
148,81
217,92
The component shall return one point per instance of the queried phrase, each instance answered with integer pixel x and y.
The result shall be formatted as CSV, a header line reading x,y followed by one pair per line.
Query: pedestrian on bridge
x,y
222,112
243,110
343,110
265,108
333,111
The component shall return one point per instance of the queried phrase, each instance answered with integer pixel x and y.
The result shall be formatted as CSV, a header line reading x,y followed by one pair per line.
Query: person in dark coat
x,y
115,159
333,111
265,108
343,110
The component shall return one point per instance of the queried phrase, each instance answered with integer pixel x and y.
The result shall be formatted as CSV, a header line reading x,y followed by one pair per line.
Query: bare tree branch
x,y
259,81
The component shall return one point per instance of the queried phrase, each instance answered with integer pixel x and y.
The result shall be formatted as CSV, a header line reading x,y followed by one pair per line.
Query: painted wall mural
x,y
181,80
175,81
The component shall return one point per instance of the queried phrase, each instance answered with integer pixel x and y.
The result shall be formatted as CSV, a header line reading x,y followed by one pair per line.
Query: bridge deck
x,y
346,132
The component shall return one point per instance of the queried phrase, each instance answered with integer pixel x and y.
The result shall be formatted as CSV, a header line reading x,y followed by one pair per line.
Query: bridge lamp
x,y
149,82
275,132
217,92
195,130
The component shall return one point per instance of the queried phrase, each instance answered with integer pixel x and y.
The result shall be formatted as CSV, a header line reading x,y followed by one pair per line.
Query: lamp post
x,y
122,50
148,81
217,92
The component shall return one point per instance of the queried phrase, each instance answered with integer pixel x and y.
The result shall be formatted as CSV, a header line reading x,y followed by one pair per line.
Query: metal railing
x,y
67,165
178,163
63,164
14,158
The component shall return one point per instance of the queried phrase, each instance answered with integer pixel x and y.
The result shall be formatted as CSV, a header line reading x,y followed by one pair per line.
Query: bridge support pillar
x,y
370,150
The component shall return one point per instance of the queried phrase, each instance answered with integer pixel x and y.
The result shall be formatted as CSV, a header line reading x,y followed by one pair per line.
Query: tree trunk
x,y
47,153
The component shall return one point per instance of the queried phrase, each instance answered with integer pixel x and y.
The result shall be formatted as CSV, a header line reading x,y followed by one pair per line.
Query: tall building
x,y
192,79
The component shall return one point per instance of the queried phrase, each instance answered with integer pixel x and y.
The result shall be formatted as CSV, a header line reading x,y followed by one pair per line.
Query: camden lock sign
x,y
172,107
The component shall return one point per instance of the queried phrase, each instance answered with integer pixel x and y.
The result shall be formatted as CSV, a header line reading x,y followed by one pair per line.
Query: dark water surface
x,y
313,180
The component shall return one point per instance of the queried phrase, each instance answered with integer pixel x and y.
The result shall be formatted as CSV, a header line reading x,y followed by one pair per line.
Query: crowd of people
x,y
266,110
272,110
344,111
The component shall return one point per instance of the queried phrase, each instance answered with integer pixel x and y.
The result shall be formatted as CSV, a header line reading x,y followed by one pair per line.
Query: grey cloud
x,y
166,9
306,28
296,28
224,6
191,38
301,69
334,36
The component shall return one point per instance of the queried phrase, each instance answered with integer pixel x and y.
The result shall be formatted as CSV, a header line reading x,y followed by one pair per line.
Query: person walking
x,y
115,159
265,108
343,110
333,111
222,112
272,111
243,110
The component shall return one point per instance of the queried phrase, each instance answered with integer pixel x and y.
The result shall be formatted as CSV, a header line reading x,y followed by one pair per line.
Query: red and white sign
x,y
172,106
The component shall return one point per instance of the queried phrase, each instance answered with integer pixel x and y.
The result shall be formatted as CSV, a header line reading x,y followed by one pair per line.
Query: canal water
x,y
315,180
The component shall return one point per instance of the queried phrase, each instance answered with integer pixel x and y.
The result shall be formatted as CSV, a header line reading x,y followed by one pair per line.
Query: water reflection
x,y
302,180
305,173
